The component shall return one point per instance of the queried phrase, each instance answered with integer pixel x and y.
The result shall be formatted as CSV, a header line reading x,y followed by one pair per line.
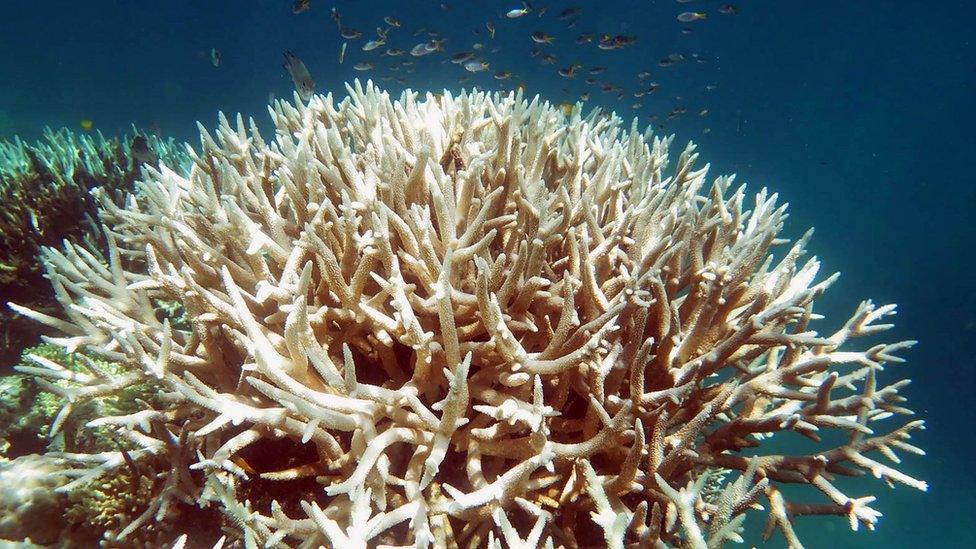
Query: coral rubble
x,y
468,319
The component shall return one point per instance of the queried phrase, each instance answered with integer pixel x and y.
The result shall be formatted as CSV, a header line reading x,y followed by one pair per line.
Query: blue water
x,y
860,114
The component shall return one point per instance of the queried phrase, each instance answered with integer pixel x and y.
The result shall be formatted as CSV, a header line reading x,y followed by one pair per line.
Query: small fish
x,y
703,113
728,9
342,52
391,21
710,87
689,16
608,42
540,37
642,75
476,65
463,78
363,66
686,30
706,130
598,70
570,71
491,29
140,152
373,44
569,13
462,57
420,49
300,76
503,75
518,12
585,96
215,57
477,46
549,59
350,33
591,80
393,52
239,461
676,112
300,6
566,108
86,124
584,38
337,18
636,105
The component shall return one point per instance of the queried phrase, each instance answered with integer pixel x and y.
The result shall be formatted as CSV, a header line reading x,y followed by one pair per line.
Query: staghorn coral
x,y
45,188
470,320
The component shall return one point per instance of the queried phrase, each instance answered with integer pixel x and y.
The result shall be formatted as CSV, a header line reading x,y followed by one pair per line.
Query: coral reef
x,y
467,319
45,192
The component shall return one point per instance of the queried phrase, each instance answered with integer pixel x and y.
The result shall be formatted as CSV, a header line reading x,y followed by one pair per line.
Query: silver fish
x,y
373,44
302,79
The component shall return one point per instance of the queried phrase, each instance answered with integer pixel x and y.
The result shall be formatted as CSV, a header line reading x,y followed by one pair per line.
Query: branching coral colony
x,y
475,321
44,190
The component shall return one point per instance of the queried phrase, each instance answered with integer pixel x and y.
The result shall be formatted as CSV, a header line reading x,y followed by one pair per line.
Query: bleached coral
x,y
44,188
471,319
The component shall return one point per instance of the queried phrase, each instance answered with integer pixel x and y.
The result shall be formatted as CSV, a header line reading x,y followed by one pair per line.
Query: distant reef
x,y
45,191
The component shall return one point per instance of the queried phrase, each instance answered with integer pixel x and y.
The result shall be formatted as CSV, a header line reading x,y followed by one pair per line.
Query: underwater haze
x,y
860,115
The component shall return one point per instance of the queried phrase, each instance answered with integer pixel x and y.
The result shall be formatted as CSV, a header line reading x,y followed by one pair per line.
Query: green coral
x,y
27,410
45,189
107,504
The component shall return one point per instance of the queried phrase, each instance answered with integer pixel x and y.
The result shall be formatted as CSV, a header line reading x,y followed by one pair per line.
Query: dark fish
x,y
350,33
608,42
728,9
337,18
598,70
584,38
569,13
299,6
676,112
462,57
140,152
